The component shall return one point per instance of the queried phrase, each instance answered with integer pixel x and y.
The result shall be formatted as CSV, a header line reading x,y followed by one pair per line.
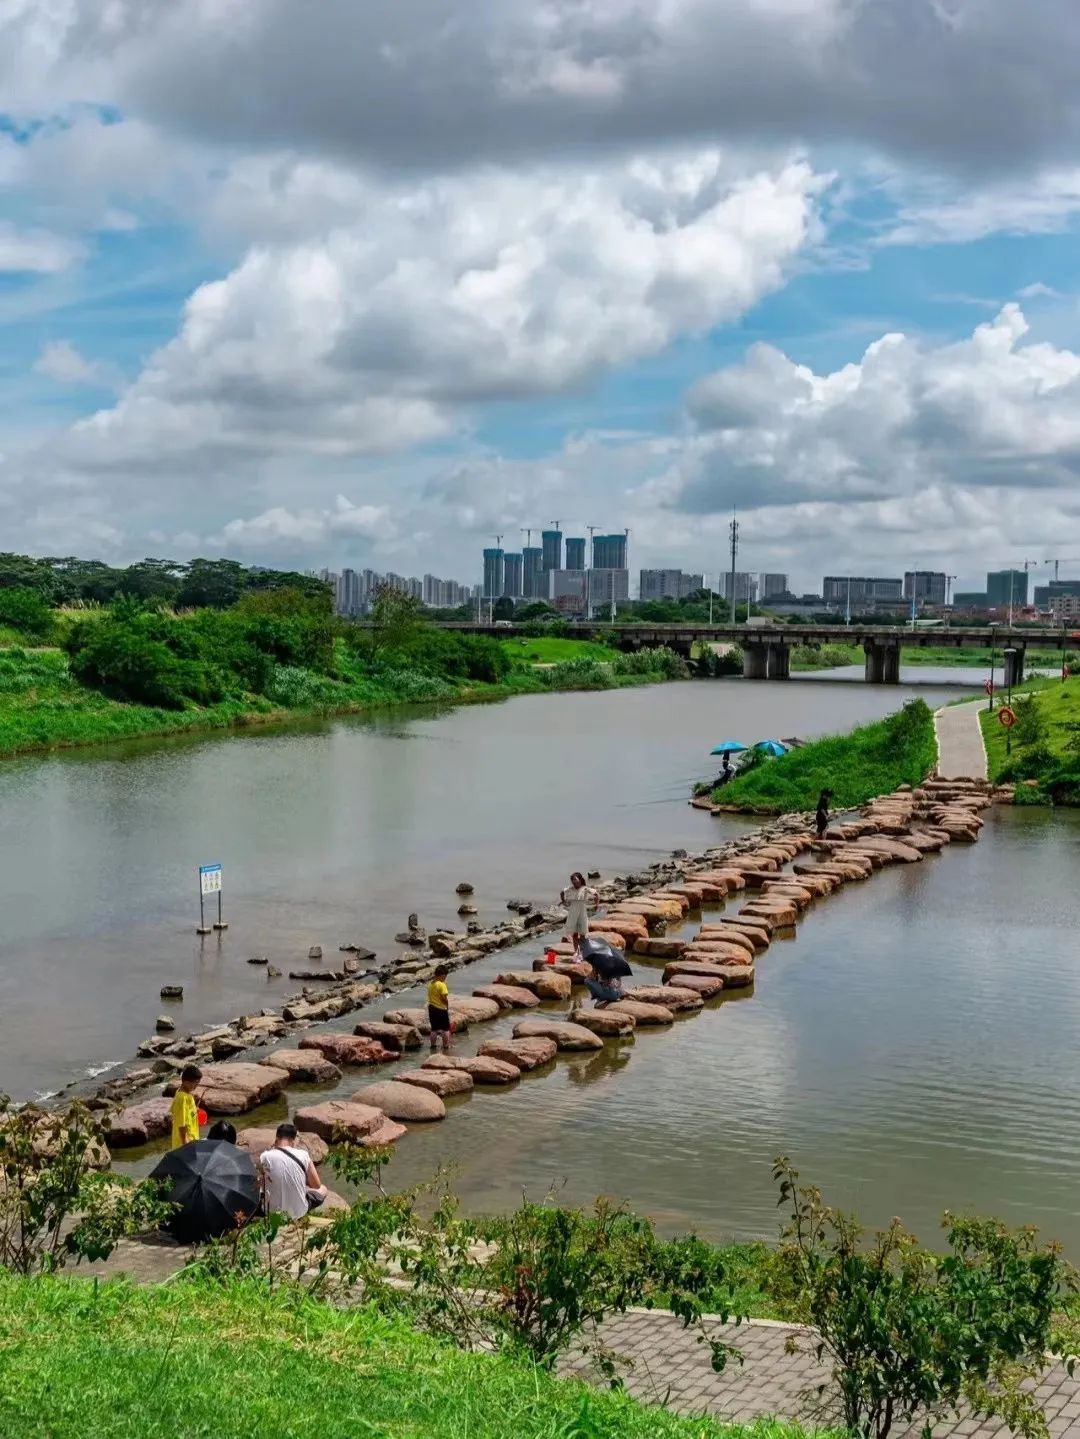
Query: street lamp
x,y
1010,654
993,642
847,607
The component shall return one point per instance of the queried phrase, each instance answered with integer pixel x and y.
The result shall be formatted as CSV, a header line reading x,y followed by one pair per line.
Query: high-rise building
x,y
551,546
532,569
1045,595
1006,587
969,600
575,554
493,574
609,552
566,590
1066,607
773,585
745,587
512,575
606,585
863,589
925,586
668,584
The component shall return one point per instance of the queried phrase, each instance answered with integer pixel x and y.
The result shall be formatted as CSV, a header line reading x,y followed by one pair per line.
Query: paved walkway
x,y
672,1369
961,752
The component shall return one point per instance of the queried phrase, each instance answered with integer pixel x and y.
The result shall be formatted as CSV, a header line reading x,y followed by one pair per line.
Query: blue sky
x,y
357,328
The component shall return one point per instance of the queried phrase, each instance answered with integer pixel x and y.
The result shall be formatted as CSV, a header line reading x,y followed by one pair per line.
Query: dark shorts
x,y
439,1019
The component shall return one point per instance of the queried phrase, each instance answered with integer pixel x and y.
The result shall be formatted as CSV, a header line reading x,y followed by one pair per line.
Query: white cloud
x,y
61,361
932,212
371,337
1038,291
279,528
32,251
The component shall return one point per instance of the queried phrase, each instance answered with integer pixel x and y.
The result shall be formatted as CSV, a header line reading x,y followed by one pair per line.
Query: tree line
x,y
191,584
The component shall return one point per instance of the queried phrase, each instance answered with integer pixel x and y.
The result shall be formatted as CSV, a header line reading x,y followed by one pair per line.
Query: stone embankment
x,y
771,878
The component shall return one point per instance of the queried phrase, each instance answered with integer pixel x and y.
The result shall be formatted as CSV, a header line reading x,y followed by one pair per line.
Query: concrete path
x,y
672,1369
961,752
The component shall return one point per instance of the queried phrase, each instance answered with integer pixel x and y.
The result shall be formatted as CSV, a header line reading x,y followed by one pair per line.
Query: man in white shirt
x,y
289,1176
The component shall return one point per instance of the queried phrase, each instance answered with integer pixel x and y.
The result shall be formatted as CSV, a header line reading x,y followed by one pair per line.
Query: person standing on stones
x,y
822,816
576,898
184,1111
438,1009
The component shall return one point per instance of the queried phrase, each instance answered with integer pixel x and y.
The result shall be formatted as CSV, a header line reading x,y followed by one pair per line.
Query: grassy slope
x,y
855,766
552,651
947,656
79,1361
1059,703
42,707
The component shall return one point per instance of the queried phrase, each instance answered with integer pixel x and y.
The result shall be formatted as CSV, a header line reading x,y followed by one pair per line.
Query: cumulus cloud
x,y
426,83
61,361
280,528
986,411
491,286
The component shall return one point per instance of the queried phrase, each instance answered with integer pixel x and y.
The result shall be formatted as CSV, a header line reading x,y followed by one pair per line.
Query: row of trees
x,y
194,584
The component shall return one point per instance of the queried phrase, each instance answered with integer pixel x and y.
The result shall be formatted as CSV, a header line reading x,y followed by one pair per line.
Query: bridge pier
x,y
882,662
778,661
1014,665
755,661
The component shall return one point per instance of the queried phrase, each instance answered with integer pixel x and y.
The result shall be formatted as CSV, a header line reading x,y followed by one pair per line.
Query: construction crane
x,y
1062,560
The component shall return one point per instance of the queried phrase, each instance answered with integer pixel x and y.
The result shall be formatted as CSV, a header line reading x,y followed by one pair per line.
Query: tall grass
x,y
84,1361
874,758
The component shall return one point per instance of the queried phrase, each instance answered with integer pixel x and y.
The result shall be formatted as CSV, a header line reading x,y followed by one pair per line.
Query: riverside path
x,y
961,752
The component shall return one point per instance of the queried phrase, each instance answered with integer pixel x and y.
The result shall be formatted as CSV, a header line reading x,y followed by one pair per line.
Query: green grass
x,y
868,761
1057,752
555,651
43,707
78,1361
825,657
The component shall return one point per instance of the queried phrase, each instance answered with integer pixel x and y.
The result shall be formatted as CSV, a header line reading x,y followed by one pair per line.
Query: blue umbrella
x,y
771,746
728,746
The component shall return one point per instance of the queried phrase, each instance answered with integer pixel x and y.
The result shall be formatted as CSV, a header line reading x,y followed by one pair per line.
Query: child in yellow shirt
x,y
438,1008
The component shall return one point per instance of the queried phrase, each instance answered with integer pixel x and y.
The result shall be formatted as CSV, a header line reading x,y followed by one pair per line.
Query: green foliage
x,y
1044,744
136,653
661,661
909,1332
84,1360
870,760
54,1204
711,665
813,655
26,611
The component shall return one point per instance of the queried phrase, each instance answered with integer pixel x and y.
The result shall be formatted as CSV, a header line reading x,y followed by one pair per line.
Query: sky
x,y
369,284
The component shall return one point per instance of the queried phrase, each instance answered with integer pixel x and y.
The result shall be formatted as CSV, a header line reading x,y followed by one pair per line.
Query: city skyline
x,y
811,261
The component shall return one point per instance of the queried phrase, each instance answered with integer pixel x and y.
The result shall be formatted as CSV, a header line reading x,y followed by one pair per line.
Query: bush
x,y
131,654
54,1204
660,661
911,1333
25,610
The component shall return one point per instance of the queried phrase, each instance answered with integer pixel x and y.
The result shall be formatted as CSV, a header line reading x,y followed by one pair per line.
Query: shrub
x,y
54,1205
25,610
128,655
911,1333
660,661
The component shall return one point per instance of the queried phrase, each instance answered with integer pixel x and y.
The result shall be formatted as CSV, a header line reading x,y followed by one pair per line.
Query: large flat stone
x,y
545,983
409,1102
525,1054
236,1088
305,1066
442,1082
140,1123
261,1137
567,1035
604,1023
348,1049
671,996
483,1068
644,1014
358,1123
398,1037
508,996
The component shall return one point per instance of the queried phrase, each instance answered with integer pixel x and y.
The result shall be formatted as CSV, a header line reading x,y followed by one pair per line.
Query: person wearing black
x,y
822,816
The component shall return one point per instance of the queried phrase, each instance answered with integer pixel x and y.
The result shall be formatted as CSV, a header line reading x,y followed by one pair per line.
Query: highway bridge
x,y
767,648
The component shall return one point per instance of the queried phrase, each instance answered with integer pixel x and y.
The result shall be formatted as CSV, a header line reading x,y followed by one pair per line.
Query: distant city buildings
x,y
668,585
1047,595
1006,587
746,587
575,554
925,586
861,590
609,552
551,549
772,587
355,591
1065,607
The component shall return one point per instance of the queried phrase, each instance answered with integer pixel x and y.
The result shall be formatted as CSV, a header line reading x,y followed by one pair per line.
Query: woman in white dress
x,y
577,897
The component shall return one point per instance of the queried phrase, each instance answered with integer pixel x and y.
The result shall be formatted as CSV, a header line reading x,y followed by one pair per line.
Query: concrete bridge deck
x,y
767,648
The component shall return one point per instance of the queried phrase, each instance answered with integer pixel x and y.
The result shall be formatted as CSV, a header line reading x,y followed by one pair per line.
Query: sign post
x,y
209,883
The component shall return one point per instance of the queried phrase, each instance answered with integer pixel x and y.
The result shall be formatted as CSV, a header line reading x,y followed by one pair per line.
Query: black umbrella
x,y
215,1186
609,962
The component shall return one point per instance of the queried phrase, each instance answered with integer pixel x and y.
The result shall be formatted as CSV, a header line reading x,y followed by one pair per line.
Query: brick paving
x,y
961,752
671,1368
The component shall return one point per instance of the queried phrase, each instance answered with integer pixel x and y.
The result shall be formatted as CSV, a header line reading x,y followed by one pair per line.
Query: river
x,y
912,1049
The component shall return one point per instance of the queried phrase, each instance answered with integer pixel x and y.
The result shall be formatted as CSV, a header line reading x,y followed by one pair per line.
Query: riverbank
x,y
1040,753
810,657
854,767
152,1363
44,707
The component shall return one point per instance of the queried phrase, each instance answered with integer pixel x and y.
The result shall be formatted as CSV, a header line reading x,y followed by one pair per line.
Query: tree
x,y
25,610
213,583
911,1334
503,609
55,1204
152,579
396,621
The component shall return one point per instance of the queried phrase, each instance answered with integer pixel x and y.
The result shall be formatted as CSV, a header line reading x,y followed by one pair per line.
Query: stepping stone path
x,y
402,1101
566,1034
